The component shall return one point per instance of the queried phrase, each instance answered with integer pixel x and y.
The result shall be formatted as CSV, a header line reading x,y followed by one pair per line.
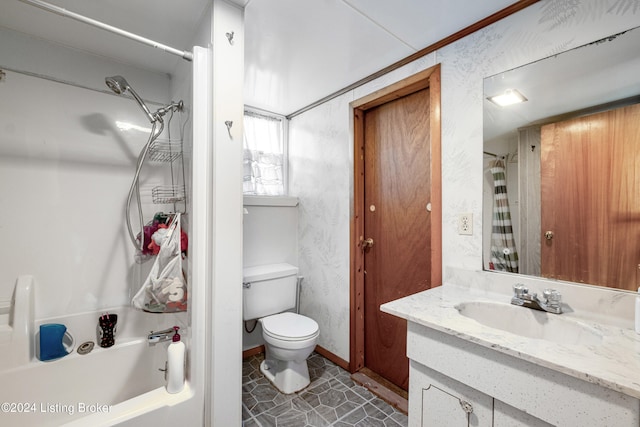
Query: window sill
x,y
270,201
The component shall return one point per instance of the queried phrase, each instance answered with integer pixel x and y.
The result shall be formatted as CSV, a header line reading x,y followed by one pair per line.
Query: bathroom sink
x,y
530,323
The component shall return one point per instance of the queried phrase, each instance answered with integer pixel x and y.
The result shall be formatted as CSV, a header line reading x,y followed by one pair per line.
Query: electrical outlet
x,y
465,223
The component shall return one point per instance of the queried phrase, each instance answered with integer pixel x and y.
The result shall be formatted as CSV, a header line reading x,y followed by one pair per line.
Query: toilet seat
x,y
290,327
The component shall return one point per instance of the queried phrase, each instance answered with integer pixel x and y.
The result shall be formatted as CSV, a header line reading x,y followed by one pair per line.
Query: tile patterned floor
x,y
332,399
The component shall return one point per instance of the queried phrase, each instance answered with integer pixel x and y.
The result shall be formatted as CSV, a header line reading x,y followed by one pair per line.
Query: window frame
x,y
284,131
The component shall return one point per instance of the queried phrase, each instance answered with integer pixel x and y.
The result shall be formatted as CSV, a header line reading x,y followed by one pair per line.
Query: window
x,y
264,159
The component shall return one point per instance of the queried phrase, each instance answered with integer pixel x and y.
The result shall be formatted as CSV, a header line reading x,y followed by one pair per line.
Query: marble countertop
x,y
613,363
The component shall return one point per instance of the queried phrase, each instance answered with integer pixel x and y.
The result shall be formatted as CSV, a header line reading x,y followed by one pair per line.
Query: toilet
x,y
268,292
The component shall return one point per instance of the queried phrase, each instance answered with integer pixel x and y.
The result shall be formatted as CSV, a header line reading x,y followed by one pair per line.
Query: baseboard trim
x,y
252,352
320,350
382,388
332,357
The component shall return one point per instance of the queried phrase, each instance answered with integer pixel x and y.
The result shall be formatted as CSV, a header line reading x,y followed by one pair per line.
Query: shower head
x,y
119,85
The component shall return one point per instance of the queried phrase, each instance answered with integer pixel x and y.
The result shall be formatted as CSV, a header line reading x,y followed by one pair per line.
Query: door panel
x,y
396,194
590,185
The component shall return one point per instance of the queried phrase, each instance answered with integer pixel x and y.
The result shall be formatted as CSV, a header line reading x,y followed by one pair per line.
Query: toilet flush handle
x,y
246,285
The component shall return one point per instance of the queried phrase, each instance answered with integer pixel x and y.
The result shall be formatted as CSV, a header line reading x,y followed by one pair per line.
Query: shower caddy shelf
x,y
164,150
167,151
167,194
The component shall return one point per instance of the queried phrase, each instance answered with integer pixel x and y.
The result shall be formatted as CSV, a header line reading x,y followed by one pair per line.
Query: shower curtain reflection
x,y
504,256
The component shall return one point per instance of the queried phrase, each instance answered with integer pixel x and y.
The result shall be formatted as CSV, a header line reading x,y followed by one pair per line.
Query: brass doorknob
x,y
548,235
367,243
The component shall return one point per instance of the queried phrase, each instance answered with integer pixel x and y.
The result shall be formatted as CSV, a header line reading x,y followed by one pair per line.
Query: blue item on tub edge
x,y
51,341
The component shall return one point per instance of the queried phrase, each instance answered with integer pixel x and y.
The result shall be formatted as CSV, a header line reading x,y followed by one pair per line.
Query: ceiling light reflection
x,y
509,97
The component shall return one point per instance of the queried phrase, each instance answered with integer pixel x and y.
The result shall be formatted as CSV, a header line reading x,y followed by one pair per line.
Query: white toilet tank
x,y
268,289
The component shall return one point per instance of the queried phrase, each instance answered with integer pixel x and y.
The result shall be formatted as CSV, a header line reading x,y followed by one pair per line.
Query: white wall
x,y
321,146
270,235
66,168
23,52
225,376
320,162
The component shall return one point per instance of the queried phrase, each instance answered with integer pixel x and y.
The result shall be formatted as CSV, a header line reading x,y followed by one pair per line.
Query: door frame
x,y
429,78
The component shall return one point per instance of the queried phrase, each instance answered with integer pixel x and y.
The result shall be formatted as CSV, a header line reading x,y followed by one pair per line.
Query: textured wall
x,y
321,146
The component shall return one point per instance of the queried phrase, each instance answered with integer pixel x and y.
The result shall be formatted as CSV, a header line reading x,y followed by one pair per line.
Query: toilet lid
x,y
289,326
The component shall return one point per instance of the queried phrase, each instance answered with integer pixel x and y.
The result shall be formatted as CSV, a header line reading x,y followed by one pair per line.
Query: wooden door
x,y
397,192
397,198
590,201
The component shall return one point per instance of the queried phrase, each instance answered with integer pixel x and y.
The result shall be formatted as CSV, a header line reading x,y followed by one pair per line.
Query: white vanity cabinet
x,y
455,382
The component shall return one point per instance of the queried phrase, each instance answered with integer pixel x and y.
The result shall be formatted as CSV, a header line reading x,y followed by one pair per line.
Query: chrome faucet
x,y
160,336
551,299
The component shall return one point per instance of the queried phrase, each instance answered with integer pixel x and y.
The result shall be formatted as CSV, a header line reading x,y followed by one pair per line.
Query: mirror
x,y
564,165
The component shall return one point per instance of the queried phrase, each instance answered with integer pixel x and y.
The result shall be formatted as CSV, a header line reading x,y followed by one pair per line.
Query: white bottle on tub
x,y
175,364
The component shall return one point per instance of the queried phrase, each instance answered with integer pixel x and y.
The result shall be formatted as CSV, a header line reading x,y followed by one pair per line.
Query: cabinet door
x,y
443,409
439,401
507,416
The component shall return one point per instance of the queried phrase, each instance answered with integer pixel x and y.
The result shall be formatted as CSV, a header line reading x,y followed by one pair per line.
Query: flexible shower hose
x,y
155,133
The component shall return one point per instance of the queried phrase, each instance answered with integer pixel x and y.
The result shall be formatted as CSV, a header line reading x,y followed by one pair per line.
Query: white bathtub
x,y
105,387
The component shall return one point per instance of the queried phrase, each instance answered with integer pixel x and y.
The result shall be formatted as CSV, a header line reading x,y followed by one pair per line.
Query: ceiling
x,y
296,51
299,51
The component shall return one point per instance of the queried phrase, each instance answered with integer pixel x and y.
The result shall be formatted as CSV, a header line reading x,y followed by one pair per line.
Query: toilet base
x,y
287,376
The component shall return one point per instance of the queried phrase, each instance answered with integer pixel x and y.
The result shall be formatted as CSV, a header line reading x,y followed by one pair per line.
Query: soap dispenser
x,y
175,364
